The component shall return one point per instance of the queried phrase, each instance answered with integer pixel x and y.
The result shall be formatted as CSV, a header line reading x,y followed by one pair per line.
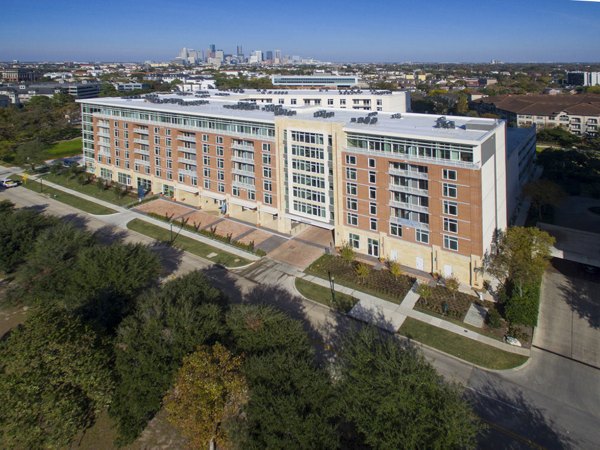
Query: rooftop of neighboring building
x,y
546,105
466,130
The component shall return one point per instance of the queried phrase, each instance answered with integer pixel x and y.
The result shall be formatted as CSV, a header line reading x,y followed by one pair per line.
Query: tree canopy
x,y
396,399
55,373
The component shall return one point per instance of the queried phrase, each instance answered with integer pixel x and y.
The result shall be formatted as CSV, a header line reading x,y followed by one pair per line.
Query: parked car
x,y
8,183
512,341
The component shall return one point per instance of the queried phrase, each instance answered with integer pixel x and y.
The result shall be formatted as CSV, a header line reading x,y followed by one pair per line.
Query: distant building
x,y
583,79
128,87
337,81
18,75
579,114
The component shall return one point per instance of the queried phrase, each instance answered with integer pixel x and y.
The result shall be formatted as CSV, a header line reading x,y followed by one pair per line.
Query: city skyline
x,y
468,31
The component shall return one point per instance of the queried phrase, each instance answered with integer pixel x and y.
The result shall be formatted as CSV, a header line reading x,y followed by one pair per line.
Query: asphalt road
x,y
551,402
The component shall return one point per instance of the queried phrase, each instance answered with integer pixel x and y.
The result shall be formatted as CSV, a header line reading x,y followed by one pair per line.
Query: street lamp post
x,y
332,287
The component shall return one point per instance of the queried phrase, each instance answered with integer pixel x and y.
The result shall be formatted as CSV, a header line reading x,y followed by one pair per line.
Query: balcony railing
x,y
242,146
142,162
243,185
103,133
191,173
409,223
409,189
141,141
139,151
141,130
246,173
242,159
187,161
187,138
409,173
186,150
409,206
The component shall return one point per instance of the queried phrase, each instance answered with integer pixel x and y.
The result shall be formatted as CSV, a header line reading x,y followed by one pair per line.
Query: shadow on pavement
x,y
577,291
513,422
110,234
169,256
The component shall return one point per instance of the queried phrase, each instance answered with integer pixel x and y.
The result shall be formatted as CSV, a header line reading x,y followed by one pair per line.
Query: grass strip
x,y
464,348
91,189
68,199
323,295
187,244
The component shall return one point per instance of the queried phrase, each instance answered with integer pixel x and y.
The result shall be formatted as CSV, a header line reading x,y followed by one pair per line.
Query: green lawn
x,y
89,189
63,149
189,245
320,294
72,200
460,346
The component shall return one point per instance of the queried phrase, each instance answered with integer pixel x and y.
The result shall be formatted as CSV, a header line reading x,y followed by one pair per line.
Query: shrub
x,y
347,252
362,271
425,292
395,269
522,308
493,319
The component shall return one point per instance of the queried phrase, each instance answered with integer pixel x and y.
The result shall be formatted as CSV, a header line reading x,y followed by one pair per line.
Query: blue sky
x,y
331,30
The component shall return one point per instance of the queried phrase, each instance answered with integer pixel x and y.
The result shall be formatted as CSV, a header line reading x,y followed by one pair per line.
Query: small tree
x,y
452,284
425,292
395,269
209,390
347,252
362,271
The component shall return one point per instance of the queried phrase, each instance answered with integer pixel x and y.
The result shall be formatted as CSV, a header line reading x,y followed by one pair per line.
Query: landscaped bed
x,y
187,244
380,283
457,303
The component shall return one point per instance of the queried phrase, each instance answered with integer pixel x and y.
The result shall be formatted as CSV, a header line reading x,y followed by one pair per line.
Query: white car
x,y
9,183
512,341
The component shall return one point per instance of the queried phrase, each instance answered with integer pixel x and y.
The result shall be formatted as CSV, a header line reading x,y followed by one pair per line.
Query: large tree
x,y
396,399
165,326
209,390
543,193
521,255
55,374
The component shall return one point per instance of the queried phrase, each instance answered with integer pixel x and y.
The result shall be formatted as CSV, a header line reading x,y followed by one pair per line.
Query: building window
x,y
194,181
220,175
354,240
422,236
157,172
451,243
351,160
221,187
206,160
372,193
266,159
157,150
448,174
350,173
352,219
372,177
205,148
205,137
251,195
396,230
220,163
235,191
373,209
373,247
372,162
450,208
168,132
266,147
206,183
449,190
219,139
351,189
267,185
206,172
268,199
181,178
373,224
352,204
450,225
267,172
220,151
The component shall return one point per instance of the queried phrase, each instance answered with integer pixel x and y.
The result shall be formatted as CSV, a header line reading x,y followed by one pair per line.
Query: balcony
x,y
103,133
141,141
408,189
139,151
103,123
243,185
239,145
409,174
242,159
409,223
187,138
187,161
141,162
246,173
190,173
141,130
186,150
409,206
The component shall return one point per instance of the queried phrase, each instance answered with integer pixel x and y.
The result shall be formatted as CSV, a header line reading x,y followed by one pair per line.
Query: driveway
x,y
569,321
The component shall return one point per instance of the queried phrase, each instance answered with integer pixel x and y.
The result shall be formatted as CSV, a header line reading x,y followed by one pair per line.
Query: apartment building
x,y
423,190
338,81
579,114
